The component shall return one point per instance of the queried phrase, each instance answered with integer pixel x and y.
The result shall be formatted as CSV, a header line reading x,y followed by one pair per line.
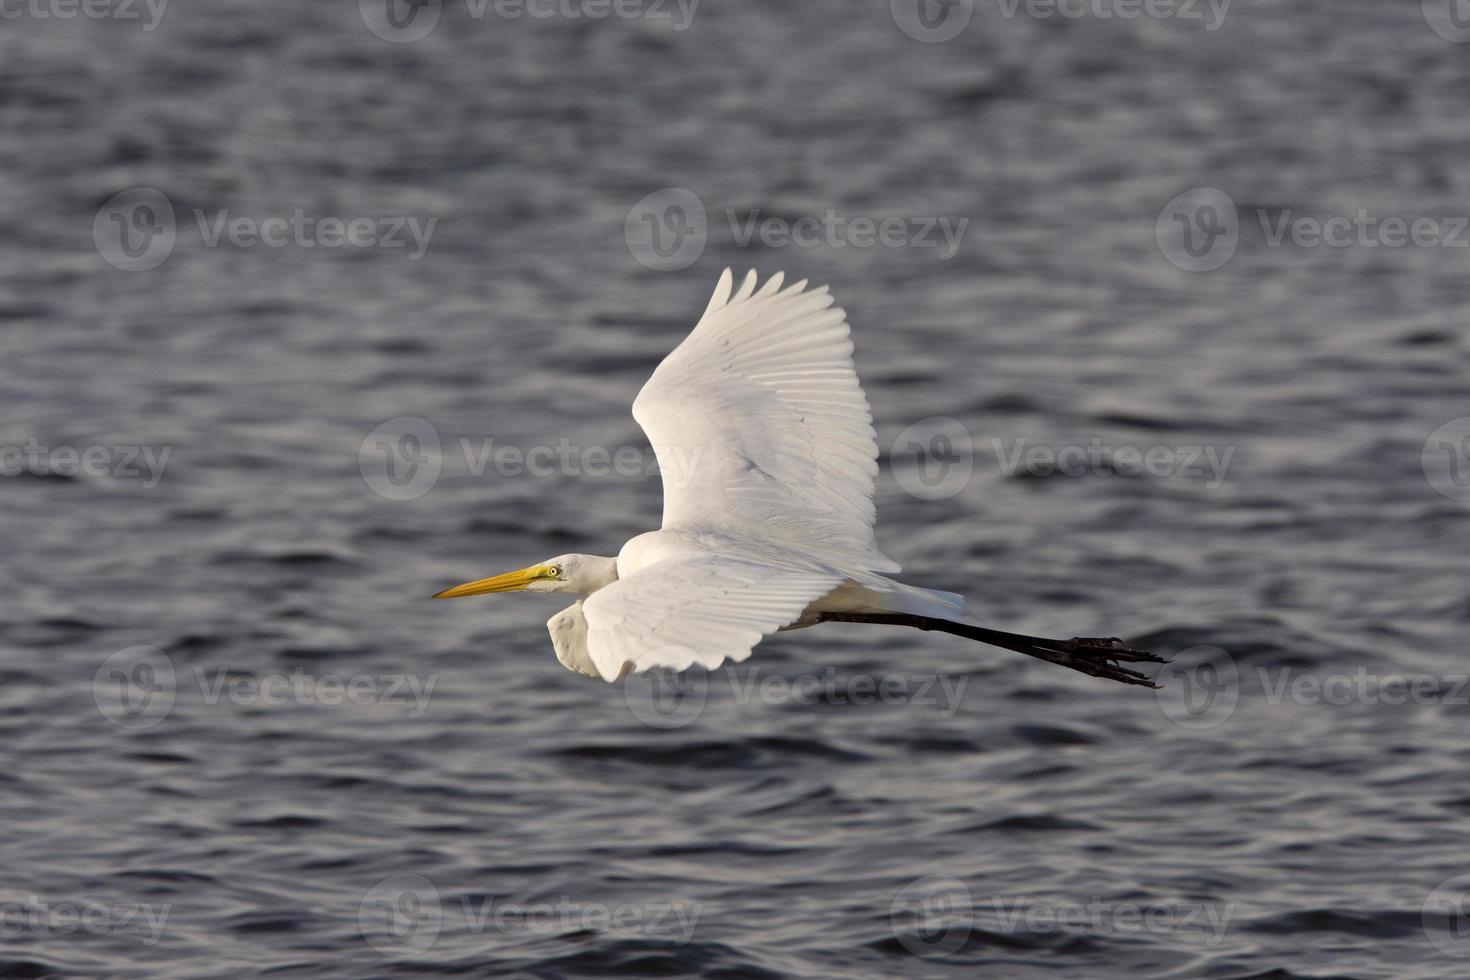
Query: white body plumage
x,y
767,452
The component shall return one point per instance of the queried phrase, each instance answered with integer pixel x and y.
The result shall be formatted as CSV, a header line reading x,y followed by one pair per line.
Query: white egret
x,y
767,453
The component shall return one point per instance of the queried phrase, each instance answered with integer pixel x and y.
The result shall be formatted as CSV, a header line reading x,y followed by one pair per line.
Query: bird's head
x,y
569,574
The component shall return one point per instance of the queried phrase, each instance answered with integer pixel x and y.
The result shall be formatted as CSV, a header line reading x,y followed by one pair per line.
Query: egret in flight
x,y
767,455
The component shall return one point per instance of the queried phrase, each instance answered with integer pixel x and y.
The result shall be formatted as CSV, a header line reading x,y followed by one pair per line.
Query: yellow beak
x,y
509,582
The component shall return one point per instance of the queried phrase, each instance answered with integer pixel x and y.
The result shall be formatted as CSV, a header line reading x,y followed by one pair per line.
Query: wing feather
x,y
762,428
700,610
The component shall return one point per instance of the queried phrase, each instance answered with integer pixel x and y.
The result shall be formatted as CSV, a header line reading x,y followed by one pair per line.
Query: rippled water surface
x,y
318,772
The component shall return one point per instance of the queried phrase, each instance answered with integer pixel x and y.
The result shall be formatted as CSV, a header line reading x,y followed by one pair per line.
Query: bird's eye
x,y
554,571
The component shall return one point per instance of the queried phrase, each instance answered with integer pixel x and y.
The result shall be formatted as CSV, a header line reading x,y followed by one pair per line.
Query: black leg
x,y
1099,657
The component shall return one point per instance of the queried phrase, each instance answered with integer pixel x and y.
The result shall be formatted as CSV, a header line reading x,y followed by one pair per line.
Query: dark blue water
x,y
239,740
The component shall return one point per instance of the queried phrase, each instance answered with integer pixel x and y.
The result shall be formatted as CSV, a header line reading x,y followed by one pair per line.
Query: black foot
x,y
1102,657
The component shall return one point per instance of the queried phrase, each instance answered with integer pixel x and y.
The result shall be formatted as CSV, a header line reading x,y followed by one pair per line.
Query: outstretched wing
x,y
700,610
761,427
